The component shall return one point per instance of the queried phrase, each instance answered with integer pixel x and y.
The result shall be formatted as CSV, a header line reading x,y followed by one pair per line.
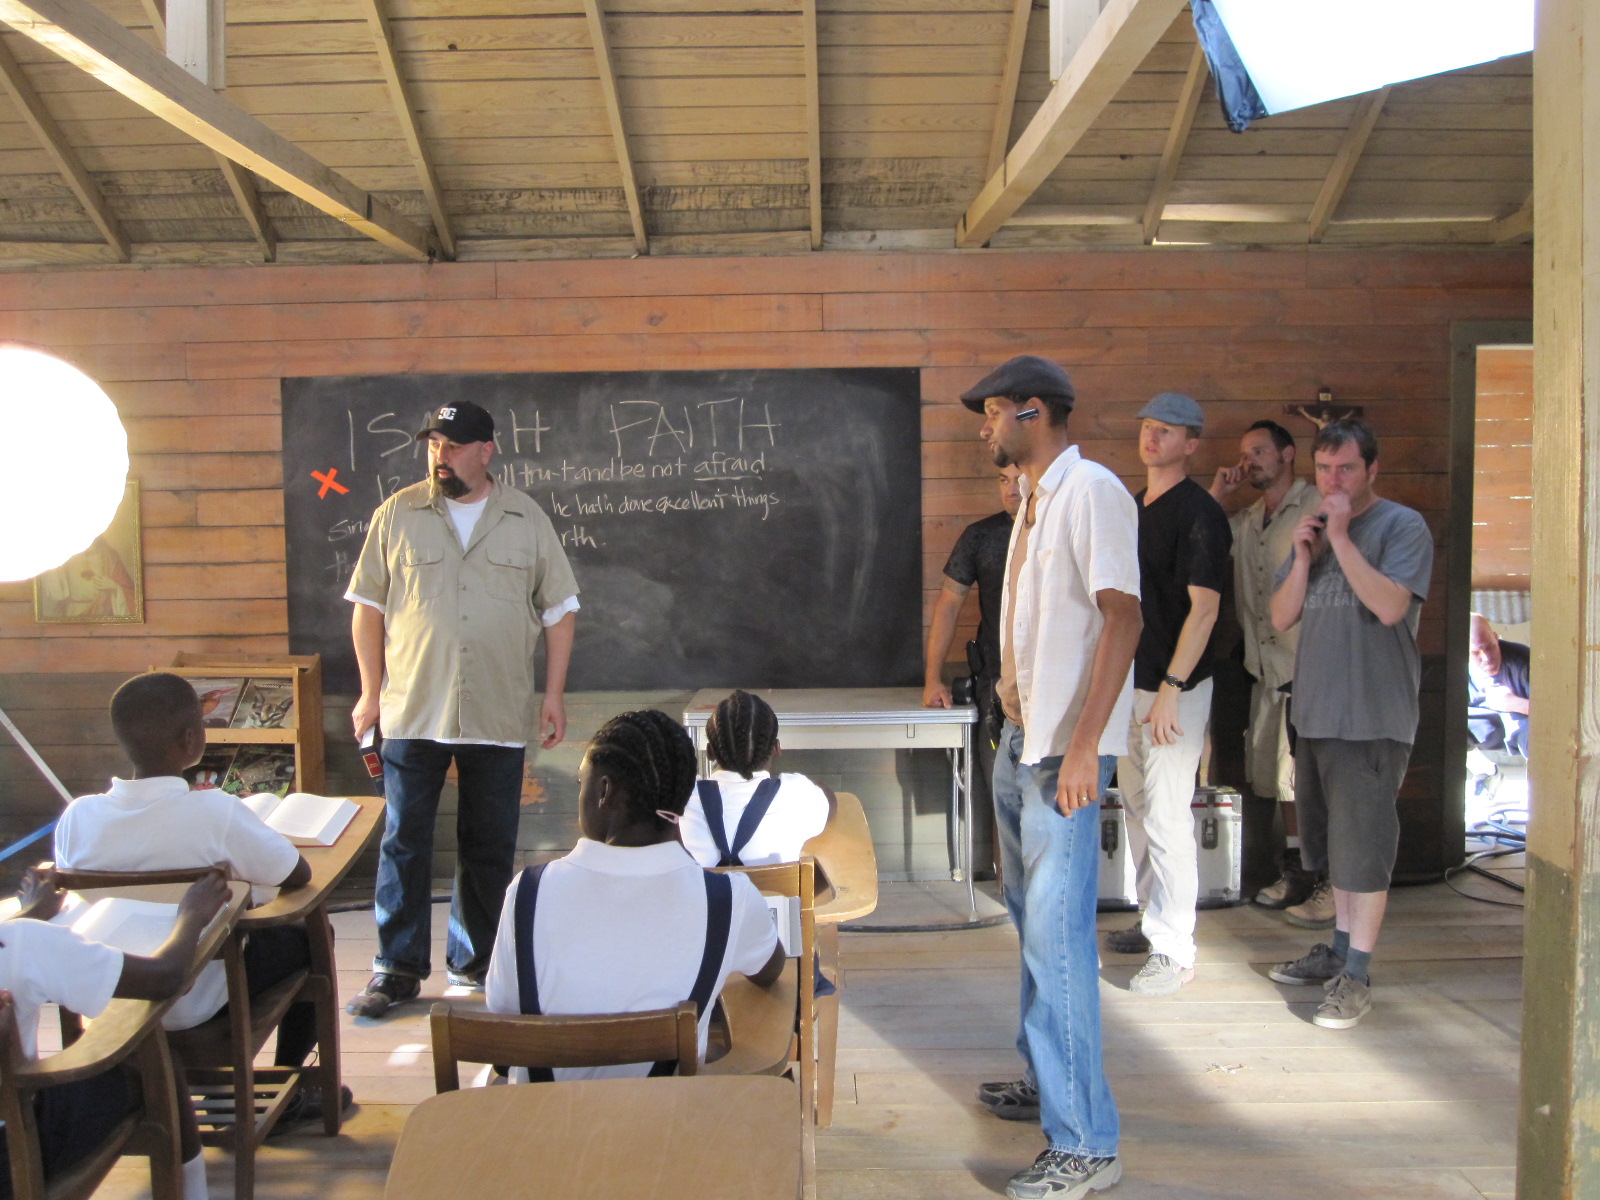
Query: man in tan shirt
x,y
458,576
1262,540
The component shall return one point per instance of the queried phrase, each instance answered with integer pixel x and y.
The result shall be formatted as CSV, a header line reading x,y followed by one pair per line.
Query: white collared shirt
x,y
622,929
1085,539
799,812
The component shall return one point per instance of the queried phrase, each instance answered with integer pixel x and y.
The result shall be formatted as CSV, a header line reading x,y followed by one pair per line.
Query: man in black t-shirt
x,y
979,558
1184,545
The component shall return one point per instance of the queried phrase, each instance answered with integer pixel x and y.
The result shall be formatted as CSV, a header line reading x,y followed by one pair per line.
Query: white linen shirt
x,y
158,824
1085,539
622,929
799,812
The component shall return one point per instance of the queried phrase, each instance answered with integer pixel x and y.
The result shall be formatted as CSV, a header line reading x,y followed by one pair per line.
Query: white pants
x,y
1157,785
1268,764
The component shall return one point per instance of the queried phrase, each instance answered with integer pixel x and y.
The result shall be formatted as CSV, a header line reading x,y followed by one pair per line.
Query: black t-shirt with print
x,y
980,558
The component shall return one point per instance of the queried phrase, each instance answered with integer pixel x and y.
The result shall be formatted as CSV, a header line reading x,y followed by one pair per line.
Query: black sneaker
x,y
1057,1175
307,1106
1128,941
382,991
1317,965
1010,1100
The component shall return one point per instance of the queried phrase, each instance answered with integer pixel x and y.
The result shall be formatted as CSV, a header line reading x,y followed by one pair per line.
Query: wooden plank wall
x,y
1502,476
193,358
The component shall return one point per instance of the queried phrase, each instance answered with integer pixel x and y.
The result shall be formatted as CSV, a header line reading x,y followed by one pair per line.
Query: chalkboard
x,y
756,528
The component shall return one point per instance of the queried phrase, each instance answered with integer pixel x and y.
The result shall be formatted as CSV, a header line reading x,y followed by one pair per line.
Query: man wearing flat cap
x,y
1184,544
1069,624
458,577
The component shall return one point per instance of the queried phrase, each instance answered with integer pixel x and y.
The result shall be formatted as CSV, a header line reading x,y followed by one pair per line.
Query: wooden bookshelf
x,y
305,731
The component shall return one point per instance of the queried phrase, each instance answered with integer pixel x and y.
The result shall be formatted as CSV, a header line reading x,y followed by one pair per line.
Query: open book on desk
x,y
304,819
132,926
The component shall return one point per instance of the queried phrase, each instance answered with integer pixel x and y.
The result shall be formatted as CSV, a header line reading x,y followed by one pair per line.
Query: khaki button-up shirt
x,y
1258,552
460,626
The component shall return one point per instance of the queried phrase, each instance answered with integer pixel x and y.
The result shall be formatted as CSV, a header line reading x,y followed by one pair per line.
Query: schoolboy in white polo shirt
x,y
761,817
621,924
153,822
44,964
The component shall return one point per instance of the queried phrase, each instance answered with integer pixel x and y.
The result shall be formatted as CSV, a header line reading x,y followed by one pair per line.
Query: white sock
x,y
1292,841
194,1179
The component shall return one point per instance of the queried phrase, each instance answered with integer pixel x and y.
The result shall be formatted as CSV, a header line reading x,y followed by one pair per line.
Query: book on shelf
x,y
265,704
218,699
212,768
260,769
304,819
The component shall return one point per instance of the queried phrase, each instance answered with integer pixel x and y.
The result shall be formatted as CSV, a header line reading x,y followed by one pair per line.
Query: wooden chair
x,y
128,1033
601,1040
759,1019
218,1056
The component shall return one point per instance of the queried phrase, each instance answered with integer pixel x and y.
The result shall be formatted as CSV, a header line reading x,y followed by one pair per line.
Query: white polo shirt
x,y
1085,539
622,929
798,813
44,964
158,824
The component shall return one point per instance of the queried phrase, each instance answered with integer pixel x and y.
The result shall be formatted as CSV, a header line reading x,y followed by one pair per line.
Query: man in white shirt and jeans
x,y
1070,620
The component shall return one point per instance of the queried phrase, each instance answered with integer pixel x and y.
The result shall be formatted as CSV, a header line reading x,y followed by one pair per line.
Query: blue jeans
x,y
1051,880
489,780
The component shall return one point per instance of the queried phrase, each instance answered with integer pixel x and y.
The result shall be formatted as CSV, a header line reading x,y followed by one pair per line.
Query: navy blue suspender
x,y
749,821
719,924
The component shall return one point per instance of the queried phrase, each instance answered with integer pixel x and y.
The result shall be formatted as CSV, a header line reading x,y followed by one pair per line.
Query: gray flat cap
x,y
1025,375
1174,408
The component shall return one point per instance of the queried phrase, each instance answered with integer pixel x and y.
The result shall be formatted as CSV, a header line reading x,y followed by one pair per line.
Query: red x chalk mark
x,y
330,480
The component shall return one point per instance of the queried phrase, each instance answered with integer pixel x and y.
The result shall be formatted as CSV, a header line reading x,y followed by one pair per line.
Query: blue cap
x,y
1174,408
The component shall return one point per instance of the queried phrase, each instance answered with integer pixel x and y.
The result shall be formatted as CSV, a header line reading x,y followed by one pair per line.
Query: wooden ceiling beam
x,y
240,182
596,18
61,152
88,38
1344,162
1194,86
405,112
1118,42
808,19
1006,105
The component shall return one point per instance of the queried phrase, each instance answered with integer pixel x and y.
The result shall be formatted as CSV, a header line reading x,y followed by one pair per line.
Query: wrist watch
x,y
1174,681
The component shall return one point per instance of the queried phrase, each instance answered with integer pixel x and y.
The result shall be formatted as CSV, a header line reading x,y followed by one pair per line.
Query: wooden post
x,y
1558,1153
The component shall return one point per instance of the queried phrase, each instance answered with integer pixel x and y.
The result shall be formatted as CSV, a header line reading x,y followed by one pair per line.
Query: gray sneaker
x,y
1317,965
1160,976
1347,1002
1057,1175
1011,1100
1128,941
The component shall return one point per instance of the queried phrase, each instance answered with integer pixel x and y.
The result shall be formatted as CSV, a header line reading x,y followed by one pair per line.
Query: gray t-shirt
x,y
1355,677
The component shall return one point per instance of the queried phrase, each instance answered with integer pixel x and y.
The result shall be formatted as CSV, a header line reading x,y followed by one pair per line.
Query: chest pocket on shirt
x,y
508,573
422,571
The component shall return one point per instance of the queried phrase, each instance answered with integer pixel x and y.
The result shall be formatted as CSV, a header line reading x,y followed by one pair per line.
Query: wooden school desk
x,y
696,1137
869,719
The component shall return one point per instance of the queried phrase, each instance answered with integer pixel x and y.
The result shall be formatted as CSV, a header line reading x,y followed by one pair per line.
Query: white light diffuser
x,y
68,464
1303,52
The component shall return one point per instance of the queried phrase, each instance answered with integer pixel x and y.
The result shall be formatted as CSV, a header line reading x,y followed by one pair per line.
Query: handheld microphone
x,y
1027,414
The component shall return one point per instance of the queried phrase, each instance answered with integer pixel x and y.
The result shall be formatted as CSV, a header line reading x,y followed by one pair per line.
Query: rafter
x,y
1517,226
1006,106
240,182
1194,86
405,113
88,38
808,18
1119,41
596,17
44,127
1344,162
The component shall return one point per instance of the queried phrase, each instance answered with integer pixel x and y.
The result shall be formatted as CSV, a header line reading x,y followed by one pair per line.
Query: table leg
x,y
966,815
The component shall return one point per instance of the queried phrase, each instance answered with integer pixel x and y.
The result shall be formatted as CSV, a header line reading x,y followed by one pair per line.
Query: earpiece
x,y
1027,414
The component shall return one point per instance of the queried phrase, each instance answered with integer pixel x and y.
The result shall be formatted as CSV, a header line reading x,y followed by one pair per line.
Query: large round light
x,y
67,466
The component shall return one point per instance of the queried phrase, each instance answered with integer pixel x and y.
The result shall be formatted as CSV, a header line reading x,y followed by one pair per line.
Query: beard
x,y
448,485
1001,458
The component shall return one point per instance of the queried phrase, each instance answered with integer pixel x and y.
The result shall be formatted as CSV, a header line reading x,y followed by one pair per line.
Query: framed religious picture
x,y
104,582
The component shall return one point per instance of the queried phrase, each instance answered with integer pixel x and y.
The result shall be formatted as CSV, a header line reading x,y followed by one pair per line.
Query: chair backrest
x,y
598,1040
796,879
79,879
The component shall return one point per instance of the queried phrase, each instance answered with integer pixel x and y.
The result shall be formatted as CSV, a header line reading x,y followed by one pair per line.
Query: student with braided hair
x,y
743,815
628,922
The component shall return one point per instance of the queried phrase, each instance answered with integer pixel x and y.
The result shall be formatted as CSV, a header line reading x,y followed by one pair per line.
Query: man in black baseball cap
x,y
460,439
